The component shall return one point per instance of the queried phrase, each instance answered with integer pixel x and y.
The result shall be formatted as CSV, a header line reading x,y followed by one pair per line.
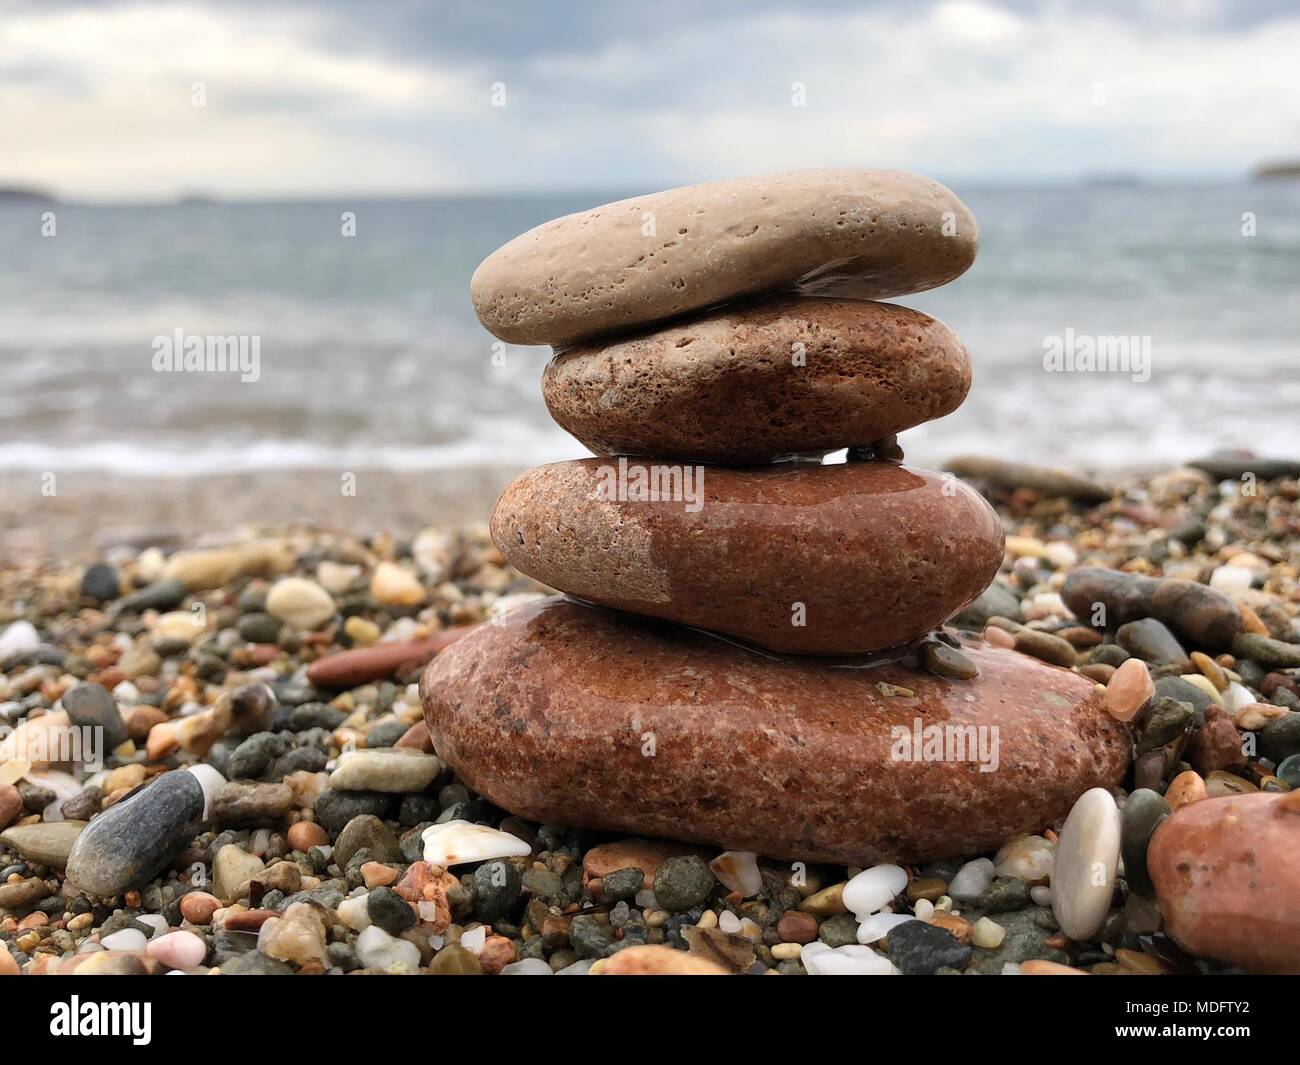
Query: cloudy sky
x,y
100,99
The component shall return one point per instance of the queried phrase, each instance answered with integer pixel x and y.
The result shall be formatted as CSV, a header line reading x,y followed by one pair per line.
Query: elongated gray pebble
x,y
132,842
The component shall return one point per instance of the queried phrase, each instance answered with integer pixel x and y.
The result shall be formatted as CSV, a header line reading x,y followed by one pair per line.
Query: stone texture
x,y
136,839
1227,878
1194,611
877,554
752,382
863,234
547,713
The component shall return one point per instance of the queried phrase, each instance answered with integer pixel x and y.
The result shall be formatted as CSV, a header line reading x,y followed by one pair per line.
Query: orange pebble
x,y
1048,968
198,907
1185,788
303,835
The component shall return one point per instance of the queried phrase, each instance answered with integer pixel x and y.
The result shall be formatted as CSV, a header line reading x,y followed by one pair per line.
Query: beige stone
x,y
866,234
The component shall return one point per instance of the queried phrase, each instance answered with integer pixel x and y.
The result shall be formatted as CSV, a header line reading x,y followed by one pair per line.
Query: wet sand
x,y
89,511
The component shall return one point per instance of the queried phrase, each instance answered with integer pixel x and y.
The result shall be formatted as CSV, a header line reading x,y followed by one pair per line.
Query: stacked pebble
x,y
733,326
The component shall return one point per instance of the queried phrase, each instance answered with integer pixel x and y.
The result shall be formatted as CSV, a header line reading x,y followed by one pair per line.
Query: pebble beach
x,y
269,800
716,700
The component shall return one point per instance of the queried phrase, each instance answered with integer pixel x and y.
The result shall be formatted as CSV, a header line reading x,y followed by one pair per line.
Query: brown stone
x,y
248,920
416,738
1216,744
1227,876
567,713
347,669
796,927
835,560
752,382
862,234
1196,612
11,804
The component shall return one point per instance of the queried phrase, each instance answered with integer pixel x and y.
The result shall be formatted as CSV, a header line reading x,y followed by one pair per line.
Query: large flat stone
x,y
572,714
866,234
830,560
755,381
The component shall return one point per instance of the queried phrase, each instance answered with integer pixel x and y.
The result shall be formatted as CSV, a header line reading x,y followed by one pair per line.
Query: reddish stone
x,y
497,953
347,669
248,920
1216,744
417,738
140,719
109,678
11,804
834,560
722,386
261,654
1227,876
797,927
566,713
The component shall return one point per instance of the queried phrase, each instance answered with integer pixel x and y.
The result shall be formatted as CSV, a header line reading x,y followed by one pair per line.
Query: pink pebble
x,y
179,949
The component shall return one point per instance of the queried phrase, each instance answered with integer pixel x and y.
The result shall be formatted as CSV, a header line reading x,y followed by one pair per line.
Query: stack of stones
x,y
746,655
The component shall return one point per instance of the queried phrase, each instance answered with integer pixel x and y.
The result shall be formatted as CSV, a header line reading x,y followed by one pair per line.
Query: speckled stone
x,y
752,382
550,713
866,555
1227,877
863,234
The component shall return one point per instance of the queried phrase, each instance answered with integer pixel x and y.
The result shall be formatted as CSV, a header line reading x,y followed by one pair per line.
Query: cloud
x,y
116,111
329,99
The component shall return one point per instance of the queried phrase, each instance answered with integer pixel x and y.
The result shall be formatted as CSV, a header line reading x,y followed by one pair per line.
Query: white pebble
x,y
578,968
1045,605
1087,857
873,889
924,910
987,934
355,913
729,922
1231,578
738,871
210,781
971,880
1041,895
1028,857
474,939
527,967
20,636
1237,698
128,939
1060,554
879,925
157,922
457,842
1010,968
378,950
264,933
851,960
